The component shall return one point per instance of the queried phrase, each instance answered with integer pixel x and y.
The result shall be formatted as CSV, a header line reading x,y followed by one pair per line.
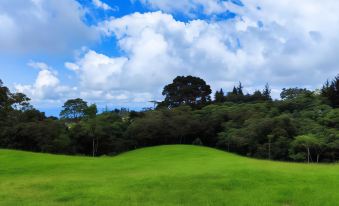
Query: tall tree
x,y
234,91
91,111
219,96
308,142
239,89
4,95
74,109
187,90
237,94
292,93
331,92
267,92
13,100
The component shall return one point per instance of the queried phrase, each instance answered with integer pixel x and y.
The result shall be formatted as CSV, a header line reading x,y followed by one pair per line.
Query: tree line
x,y
301,126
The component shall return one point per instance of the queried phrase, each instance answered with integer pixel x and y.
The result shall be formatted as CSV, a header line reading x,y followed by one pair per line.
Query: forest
x,y
302,125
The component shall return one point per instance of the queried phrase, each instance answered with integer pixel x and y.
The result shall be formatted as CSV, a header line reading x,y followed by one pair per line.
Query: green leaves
x,y
188,90
75,109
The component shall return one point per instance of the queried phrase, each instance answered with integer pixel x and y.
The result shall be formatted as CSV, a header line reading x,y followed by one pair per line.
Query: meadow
x,y
164,175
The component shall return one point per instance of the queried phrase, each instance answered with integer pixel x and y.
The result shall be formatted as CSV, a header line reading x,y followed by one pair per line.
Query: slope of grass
x,y
166,175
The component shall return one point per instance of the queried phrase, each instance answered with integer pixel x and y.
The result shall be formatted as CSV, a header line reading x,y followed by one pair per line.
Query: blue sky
x,y
121,53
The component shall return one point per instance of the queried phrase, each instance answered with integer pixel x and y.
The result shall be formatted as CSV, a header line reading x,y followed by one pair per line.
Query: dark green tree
x,y
267,93
4,95
74,109
292,93
219,96
234,91
187,90
239,89
10,100
237,94
91,111
308,142
257,96
331,92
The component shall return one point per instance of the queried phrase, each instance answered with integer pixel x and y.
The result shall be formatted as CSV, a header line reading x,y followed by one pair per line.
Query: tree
x,y
308,142
187,90
74,109
234,91
267,93
224,140
331,92
219,96
235,141
270,138
91,111
239,89
40,136
331,119
102,134
236,95
166,126
10,100
256,96
4,95
197,141
292,93
20,101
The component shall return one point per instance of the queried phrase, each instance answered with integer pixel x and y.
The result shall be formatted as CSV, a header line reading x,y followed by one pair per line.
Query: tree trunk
x,y
93,147
269,150
97,145
308,155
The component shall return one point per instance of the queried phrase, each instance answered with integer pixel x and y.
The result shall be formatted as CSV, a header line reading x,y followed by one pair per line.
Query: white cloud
x,y
39,65
193,7
97,71
39,26
285,43
267,42
47,85
103,78
158,48
102,5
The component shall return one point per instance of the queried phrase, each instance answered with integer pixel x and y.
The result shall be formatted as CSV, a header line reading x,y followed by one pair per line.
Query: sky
x,y
121,53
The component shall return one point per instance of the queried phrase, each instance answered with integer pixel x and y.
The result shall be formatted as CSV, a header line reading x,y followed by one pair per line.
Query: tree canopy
x,y
302,126
187,90
74,109
331,91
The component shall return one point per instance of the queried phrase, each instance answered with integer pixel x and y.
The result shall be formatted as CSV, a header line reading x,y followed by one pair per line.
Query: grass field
x,y
166,175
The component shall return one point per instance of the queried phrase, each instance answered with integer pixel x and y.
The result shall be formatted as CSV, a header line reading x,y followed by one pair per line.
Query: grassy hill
x,y
165,175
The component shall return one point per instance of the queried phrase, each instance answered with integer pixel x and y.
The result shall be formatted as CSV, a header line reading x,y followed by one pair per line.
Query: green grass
x,y
166,175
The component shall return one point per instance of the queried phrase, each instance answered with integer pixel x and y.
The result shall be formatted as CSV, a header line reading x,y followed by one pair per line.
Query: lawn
x,y
165,175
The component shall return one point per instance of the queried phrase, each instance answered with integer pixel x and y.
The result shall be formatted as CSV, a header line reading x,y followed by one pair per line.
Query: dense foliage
x,y
188,90
302,126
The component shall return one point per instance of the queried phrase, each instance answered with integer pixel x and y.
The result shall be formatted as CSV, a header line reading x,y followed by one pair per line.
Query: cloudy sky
x,y
121,53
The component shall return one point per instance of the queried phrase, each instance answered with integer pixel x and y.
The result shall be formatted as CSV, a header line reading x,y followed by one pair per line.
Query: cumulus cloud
x,y
266,42
102,5
104,78
193,7
158,48
47,84
285,43
43,26
97,71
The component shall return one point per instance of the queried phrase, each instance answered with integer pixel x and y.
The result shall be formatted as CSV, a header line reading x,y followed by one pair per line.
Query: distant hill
x,y
165,175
